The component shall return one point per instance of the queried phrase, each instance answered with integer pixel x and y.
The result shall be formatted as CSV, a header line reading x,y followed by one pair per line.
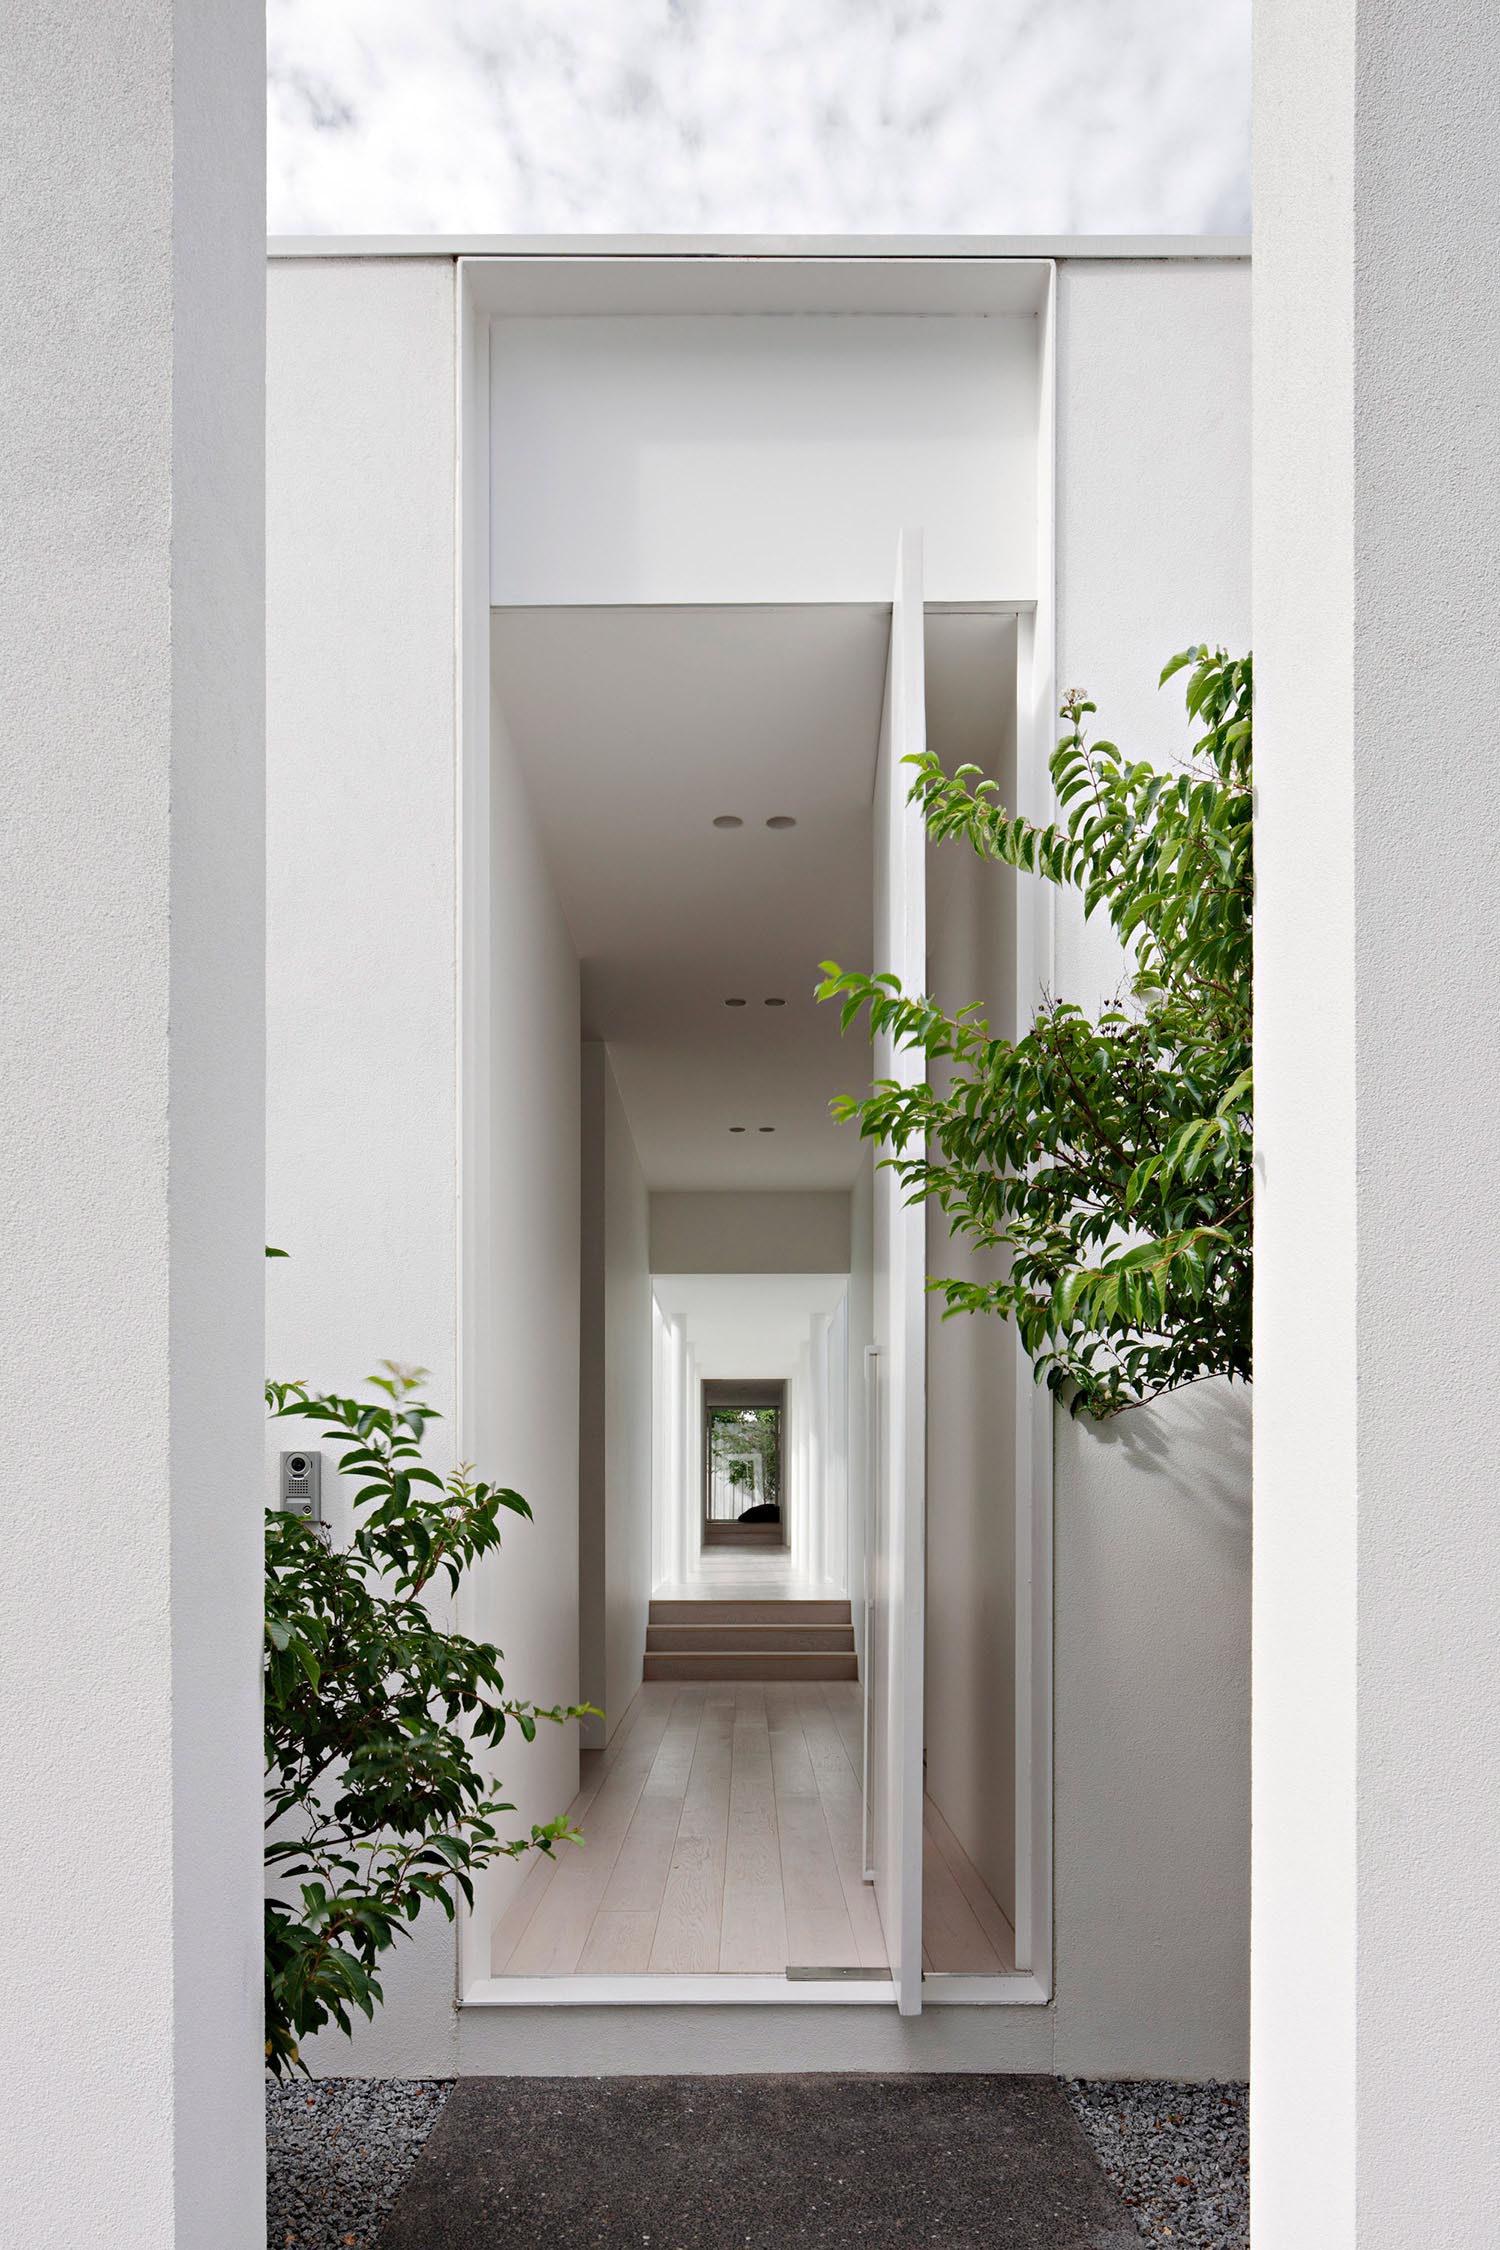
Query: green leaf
x,y
1105,1159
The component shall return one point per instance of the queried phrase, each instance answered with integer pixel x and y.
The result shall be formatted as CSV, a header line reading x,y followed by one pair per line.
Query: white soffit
x,y
747,1325
715,457
727,283
635,728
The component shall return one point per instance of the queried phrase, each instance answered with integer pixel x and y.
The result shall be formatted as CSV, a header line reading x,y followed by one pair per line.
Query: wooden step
x,y
749,1612
750,1640
688,1638
735,1664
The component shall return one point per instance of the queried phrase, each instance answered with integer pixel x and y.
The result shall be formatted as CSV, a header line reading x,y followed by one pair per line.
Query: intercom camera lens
x,y
298,1465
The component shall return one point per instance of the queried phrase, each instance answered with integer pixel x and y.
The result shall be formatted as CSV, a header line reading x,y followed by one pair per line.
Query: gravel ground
x,y
1180,2156
337,2151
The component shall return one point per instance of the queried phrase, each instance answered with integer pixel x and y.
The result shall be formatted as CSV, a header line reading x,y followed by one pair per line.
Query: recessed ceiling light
x,y
765,1128
728,820
736,1128
734,1003
775,1003
781,820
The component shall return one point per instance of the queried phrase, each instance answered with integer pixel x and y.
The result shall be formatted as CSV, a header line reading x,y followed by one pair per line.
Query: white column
x,y
692,1456
1376,2011
680,1482
804,1500
661,1520
131,1225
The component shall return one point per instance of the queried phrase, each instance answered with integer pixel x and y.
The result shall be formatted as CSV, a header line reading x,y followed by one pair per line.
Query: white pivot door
x,y
899,1365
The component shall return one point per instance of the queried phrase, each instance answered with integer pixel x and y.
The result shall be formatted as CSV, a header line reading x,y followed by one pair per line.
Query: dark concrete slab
x,y
798,2163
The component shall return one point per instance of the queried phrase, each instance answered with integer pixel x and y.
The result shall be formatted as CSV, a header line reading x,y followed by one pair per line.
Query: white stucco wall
x,y
1377,326
615,1402
361,1125
131,644
1152,1720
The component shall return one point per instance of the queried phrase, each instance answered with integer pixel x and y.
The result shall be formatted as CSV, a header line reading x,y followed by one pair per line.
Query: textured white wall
x,y
1377,329
360,1129
131,646
1152,1720
750,1231
615,1402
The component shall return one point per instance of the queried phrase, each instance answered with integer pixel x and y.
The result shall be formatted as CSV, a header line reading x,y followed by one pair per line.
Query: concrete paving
x,y
953,2162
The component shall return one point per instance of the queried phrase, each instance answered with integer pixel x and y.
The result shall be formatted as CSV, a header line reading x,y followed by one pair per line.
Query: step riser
x,y
750,1640
749,1613
820,1666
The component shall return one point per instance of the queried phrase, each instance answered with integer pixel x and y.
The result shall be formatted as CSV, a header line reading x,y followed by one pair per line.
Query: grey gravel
x,y
1179,2155
337,2152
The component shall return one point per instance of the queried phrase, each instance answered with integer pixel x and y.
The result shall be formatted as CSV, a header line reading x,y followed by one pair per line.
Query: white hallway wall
x,y
750,1231
1152,1512
615,1402
131,1057
522,1361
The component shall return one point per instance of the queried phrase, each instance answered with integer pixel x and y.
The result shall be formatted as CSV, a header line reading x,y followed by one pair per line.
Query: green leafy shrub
x,y
1109,1156
375,1804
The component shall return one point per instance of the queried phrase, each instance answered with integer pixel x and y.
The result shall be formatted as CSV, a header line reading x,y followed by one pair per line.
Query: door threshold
x,y
838,1988
798,1988
838,1976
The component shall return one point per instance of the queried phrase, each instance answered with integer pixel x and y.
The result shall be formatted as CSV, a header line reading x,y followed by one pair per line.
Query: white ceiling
x,y
634,728
747,1326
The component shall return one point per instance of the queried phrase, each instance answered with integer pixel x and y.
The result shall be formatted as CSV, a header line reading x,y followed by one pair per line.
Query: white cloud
x,y
748,116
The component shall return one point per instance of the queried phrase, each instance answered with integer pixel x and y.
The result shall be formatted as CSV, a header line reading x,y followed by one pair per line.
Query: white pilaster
x,y
1376,2011
131,1274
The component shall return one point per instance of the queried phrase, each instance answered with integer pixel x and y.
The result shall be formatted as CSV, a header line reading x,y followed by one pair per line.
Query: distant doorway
x,y
743,1484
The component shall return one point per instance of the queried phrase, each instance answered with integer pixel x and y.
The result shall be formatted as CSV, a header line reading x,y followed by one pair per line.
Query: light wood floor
x,y
723,1834
726,1574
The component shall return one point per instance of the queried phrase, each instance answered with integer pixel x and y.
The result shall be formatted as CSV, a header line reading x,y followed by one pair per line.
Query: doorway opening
x,y
692,794
742,1481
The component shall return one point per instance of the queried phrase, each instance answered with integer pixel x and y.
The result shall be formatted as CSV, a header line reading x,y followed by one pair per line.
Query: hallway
x,y
723,1833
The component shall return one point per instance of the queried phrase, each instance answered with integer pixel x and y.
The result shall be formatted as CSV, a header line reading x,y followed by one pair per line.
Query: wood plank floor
x,y
731,1574
723,1830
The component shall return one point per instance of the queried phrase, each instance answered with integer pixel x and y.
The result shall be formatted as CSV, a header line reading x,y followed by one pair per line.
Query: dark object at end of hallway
x,y
764,1512
951,2162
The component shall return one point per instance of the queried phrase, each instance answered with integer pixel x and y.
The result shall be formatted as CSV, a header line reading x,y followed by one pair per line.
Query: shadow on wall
x,y
1152,1670
1197,1442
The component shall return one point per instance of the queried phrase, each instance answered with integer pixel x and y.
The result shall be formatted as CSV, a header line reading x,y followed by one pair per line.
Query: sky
x,y
759,116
